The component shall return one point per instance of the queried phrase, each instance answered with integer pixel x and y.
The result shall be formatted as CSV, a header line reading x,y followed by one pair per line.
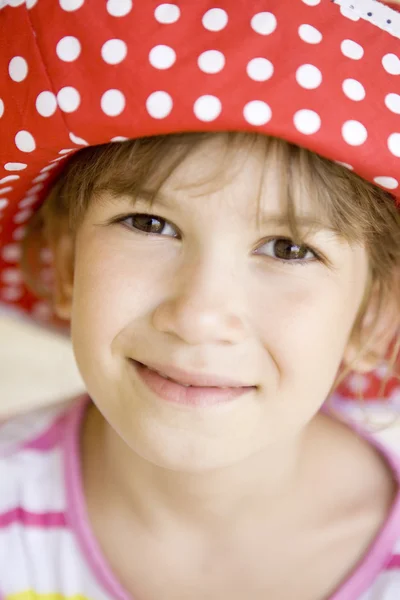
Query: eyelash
x,y
293,262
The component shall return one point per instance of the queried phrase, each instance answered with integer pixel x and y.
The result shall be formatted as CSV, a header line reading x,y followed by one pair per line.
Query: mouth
x,y
182,387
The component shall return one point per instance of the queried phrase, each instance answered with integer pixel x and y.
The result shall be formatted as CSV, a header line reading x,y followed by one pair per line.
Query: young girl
x,y
219,285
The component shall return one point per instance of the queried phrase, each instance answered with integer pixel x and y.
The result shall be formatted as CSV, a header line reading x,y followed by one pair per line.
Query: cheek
x,y
112,290
305,326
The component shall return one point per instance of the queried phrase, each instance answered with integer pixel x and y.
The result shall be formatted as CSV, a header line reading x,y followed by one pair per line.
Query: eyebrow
x,y
302,220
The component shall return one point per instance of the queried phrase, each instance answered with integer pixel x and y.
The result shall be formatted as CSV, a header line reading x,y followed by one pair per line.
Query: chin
x,y
189,458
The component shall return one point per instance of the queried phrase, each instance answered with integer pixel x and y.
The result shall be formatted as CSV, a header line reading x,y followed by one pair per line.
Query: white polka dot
x,y
307,121
36,188
10,294
391,64
41,177
394,144
71,5
114,51
19,233
312,2
387,182
15,166
48,168
1,108
257,112
309,77
207,108
162,57
215,19
46,104
260,69
77,140
11,253
344,164
46,256
382,370
12,276
352,49
68,48
6,189
28,201
353,89
66,151
22,216
167,13
211,61
3,203
68,99
9,178
119,8
112,102
58,159
30,3
264,23
159,105
392,101
42,311
25,141
18,68
310,34
119,138
358,382
354,133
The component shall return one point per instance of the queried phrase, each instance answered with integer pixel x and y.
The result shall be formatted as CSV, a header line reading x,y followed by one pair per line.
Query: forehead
x,y
216,164
248,175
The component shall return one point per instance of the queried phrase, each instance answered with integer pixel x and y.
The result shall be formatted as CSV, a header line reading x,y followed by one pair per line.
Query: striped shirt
x,y
47,548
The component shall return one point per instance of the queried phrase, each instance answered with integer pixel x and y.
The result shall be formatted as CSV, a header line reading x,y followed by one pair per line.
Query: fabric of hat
x,y
321,74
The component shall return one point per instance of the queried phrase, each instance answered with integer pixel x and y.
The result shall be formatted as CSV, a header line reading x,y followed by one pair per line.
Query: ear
x,y
63,250
370,342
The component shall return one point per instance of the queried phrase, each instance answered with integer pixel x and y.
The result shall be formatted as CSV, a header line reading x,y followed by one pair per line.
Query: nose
x,y
204,304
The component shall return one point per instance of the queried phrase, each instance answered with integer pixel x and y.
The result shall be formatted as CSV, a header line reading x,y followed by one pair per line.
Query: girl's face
x,y
207,293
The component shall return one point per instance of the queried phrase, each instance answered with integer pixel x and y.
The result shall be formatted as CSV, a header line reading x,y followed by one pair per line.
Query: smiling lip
x,y
181,387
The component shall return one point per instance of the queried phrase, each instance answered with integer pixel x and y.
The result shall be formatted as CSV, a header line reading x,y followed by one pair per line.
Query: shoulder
x,y
366,469
363,477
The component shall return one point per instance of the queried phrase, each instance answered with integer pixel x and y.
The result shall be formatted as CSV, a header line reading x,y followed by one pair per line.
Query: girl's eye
x,y
150,224
288,252
284,249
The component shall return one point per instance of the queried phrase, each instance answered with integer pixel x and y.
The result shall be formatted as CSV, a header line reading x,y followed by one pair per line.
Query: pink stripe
x,y
19,515
394,562
76,506
49,439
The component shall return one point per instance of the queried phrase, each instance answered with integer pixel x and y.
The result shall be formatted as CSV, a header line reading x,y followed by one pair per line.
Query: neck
x,y
209,501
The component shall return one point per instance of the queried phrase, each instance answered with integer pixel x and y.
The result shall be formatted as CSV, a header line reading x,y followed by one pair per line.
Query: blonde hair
x,y
359,210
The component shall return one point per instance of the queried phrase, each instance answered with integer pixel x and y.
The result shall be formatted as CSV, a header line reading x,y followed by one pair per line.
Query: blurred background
x,y
36,367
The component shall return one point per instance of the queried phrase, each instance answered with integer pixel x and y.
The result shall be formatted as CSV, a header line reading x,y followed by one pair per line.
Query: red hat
x,y
321,74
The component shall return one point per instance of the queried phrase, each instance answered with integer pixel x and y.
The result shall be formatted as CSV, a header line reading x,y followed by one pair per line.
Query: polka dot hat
x,y
319,73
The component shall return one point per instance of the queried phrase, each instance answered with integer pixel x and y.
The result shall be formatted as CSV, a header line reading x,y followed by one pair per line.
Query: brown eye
x,y
150,224
287,250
